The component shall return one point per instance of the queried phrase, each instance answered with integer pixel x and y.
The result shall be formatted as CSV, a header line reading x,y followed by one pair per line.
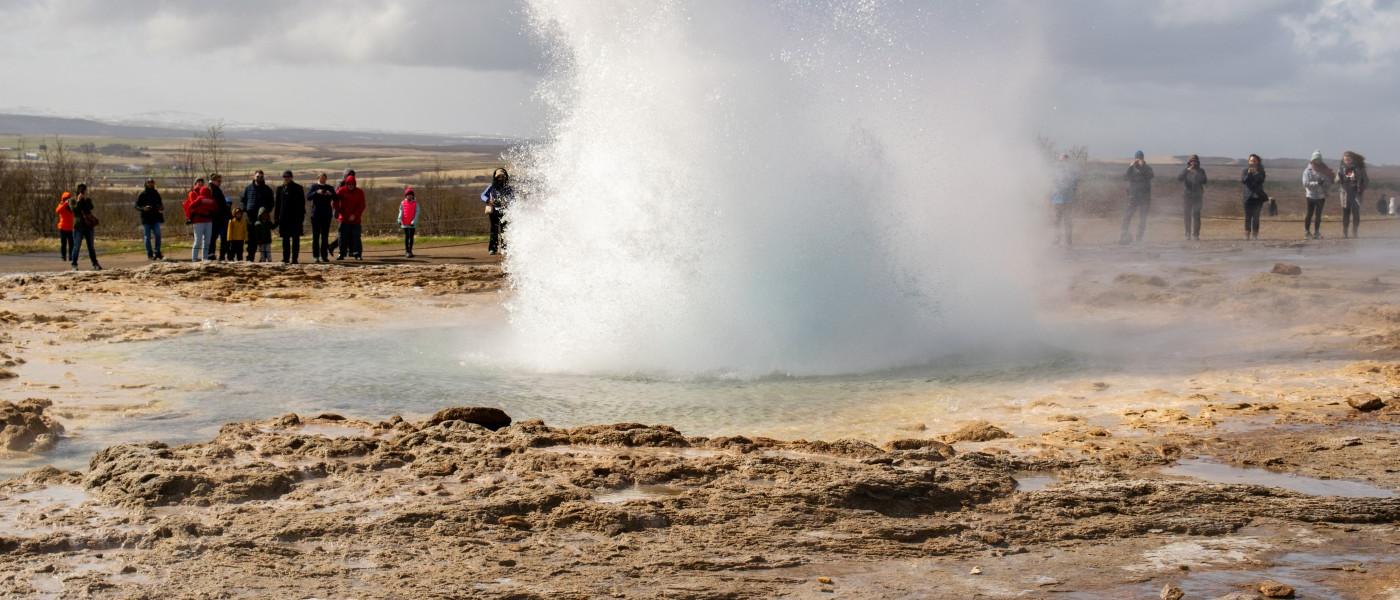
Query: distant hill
x,y
38,126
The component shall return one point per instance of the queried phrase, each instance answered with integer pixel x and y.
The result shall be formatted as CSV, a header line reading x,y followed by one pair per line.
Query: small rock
x,y
825,580
506,562
978,431
490,418
128,569
1365,402
1287,269
1274,589
514,522
1046,581
1171,592
976,571
329,417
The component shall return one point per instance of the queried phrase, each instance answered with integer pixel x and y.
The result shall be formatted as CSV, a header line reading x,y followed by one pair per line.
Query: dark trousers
x,y
257,236
320,239
350,240
498,231
291,248
1312,223
65,244
80,234
1191,209
1252,208
1064,223
1351,216
218,240
234,250
1140,206
408,233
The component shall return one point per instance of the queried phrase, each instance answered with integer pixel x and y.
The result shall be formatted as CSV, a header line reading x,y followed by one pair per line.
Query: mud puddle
x,y
1210,470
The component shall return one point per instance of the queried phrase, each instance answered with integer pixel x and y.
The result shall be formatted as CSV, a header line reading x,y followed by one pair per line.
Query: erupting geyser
x,y
746,188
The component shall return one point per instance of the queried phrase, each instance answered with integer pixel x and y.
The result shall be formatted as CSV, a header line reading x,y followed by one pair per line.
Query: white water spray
x,y
747,188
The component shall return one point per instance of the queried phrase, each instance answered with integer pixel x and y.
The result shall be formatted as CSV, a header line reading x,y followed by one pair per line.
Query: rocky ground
x,y
1264,464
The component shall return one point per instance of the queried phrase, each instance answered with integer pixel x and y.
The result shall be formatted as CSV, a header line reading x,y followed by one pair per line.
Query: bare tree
x,y
212,147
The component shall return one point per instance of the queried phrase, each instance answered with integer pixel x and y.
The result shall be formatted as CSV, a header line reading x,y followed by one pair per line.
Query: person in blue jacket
x,y
497,198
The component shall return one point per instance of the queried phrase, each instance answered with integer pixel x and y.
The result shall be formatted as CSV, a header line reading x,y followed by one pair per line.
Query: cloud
x,y
1358,34
1186,13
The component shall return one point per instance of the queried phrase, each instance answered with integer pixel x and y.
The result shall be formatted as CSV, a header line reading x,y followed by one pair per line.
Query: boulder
x,y
490,418
1365,402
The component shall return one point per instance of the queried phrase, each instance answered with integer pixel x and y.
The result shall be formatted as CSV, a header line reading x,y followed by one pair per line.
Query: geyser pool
x,y
751,188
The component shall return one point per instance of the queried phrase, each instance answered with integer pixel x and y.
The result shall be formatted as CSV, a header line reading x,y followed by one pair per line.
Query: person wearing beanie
x,y
1317,177
1352,178
350,209
1253,178
321,196
1193,180
497,198
1139,177
1066,185
408,220
289,215
65,225
152,210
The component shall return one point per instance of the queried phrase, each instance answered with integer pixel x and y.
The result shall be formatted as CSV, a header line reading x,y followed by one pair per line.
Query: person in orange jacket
x,y
65,226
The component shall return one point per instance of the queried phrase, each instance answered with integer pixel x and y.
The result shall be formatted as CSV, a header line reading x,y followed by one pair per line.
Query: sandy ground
x,y
1245,433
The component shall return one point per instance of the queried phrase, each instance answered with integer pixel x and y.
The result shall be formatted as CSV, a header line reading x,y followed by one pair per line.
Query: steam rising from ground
x,y
746,188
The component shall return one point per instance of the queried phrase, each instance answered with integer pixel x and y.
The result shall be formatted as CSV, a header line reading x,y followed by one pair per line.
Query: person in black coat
x,y
258,199
218,237
1254,197
152,215
321,196
289,213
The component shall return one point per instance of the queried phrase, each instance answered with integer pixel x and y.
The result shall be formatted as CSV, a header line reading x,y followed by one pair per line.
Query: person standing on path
x,y
1352,178
1317,177
1253,178
258,199
1066,186
152,209
408,220
350,208
218,240
65,226
200,211
497,198
322,198
289,214
1193,180
1139,177
84,227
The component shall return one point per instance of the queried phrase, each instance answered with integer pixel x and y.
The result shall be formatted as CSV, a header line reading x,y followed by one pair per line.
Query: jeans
x,y
498,231
408,233
264,248
1192,213
80,234
149,230
218,240
1351,216
65,244
201,247
291,248
350,240
1135,205
320,239
1312,222
1064,223
1252,208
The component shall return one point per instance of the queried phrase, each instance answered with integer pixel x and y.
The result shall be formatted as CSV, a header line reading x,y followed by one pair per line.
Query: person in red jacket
x,y
65,225
349,208
200,210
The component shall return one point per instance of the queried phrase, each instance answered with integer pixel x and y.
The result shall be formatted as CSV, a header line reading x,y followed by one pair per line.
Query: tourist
x,y
84,226
218,241
1193,180
1353,180
1317,177
1139,178
497,198
349,208
257,199
65,226
152,215
340,184
408,220
260,237
1254,195
237,235
322,197
200,212
1066,185
289,213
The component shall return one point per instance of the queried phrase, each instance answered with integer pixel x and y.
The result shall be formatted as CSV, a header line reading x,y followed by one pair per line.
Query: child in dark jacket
x,y
260,238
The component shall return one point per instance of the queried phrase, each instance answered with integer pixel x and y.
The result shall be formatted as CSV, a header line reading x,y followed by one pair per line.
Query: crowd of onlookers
x,y
1317,181
244,230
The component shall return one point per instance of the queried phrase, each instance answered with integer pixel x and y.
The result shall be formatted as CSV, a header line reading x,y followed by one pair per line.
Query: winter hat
x,y
408,190
287,173
1138,154
65,196
349,179
1316,155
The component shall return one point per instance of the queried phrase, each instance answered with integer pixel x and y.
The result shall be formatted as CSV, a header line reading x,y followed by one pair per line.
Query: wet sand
x,y
1230,426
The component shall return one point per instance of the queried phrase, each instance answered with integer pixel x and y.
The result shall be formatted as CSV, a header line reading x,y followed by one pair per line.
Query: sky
x,y
1214,77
